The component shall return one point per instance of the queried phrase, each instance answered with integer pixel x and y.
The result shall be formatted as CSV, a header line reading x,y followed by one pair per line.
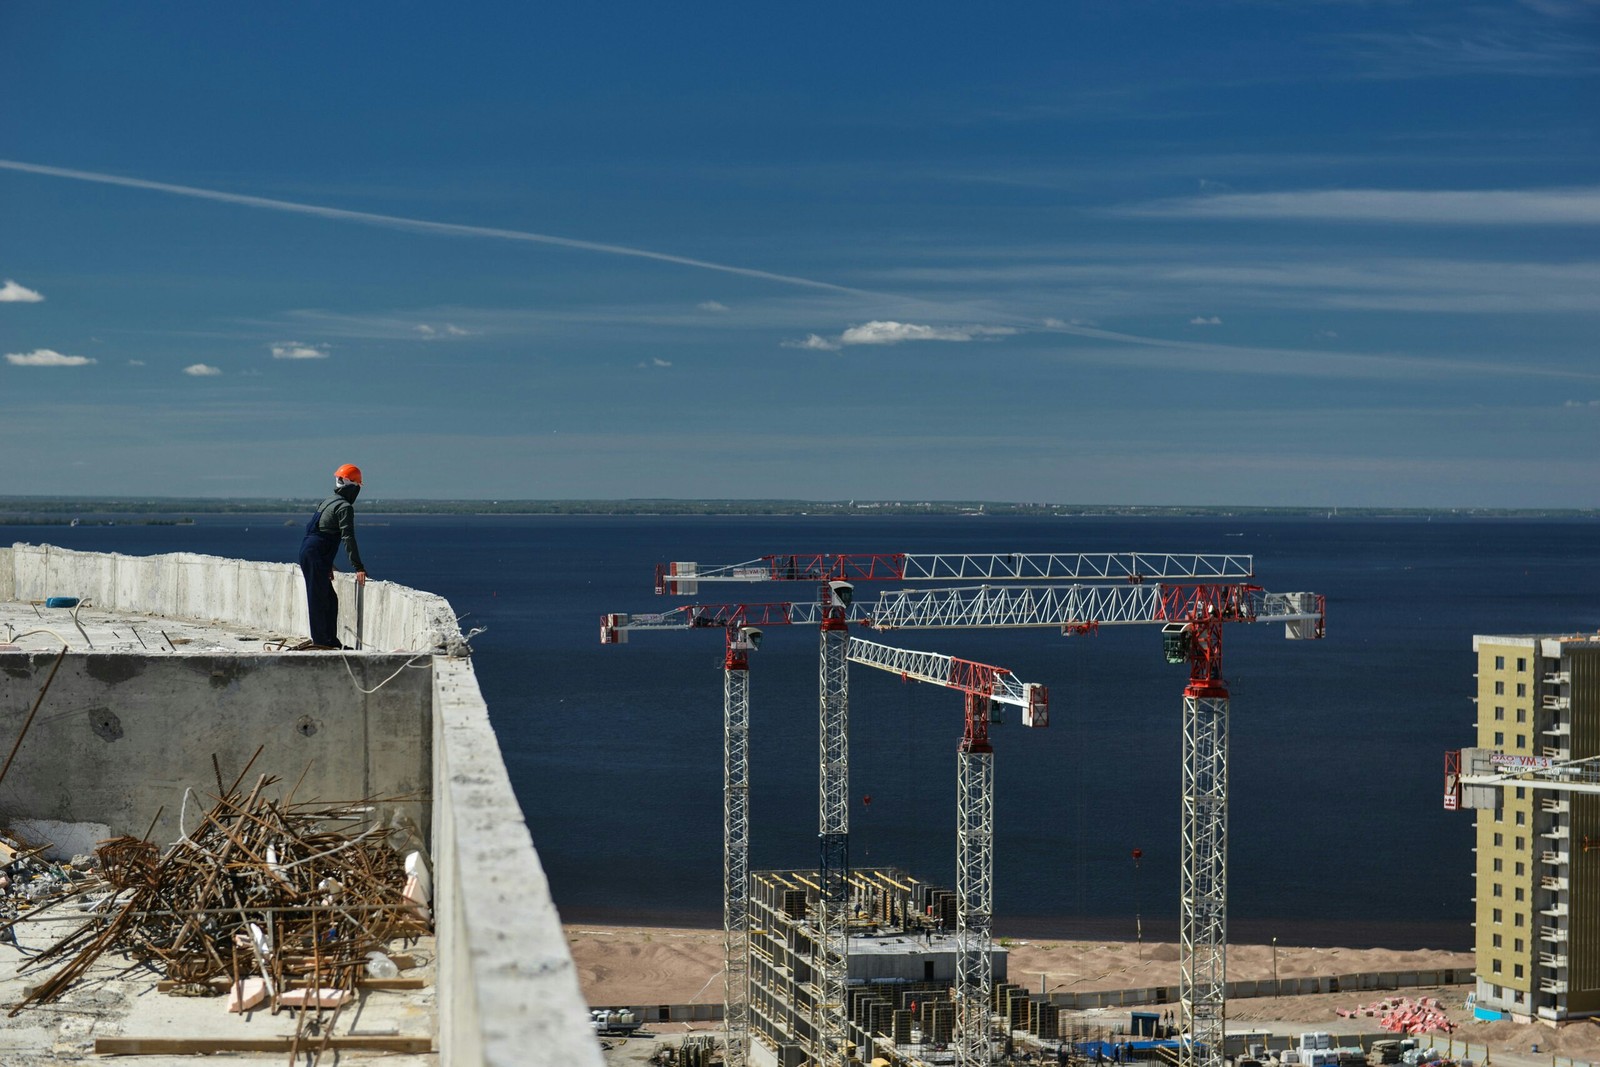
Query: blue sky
x,y
1145,253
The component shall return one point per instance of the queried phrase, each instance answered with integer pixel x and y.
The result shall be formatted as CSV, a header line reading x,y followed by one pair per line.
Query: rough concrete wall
x,y
268,596
508,991
119,736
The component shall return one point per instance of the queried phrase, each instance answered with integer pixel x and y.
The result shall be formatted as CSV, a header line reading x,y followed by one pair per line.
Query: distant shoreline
x,y
27,510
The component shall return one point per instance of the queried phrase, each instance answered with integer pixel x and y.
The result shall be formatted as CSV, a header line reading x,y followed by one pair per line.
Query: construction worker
x,y
333,521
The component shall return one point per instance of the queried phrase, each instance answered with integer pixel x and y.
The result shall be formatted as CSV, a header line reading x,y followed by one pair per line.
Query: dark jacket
x,y
337,516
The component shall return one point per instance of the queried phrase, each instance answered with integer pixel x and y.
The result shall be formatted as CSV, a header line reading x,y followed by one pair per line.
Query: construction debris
x,y
1402,1015
278,905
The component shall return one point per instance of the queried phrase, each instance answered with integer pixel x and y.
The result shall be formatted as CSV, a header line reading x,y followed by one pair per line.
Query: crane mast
x,y
833,826
736,842
981,685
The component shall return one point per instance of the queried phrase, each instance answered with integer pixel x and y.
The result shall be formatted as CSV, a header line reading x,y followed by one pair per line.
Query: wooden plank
x,y
205,1046
167,985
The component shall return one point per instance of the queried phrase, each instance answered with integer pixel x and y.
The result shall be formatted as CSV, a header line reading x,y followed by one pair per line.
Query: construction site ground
x,y
662,965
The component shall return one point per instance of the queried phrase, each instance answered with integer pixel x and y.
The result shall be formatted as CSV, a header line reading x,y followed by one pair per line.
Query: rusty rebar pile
x,y
295,894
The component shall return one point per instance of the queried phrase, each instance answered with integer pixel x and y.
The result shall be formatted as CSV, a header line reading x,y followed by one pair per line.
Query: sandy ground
x,y
658,965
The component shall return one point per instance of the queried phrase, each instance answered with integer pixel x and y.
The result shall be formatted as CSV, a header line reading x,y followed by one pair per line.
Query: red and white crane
x,y
834,573
1192,618
741,625
982,686
1473,776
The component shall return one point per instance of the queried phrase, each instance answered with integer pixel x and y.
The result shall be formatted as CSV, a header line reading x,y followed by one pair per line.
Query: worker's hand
x,y
361,577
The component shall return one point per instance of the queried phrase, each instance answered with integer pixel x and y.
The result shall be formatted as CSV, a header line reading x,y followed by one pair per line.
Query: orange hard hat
x,y
349,472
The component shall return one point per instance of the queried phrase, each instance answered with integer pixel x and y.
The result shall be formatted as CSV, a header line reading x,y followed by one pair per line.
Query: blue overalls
x,y
316,563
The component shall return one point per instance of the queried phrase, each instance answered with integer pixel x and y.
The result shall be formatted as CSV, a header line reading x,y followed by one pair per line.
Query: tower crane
x,y
834,574
982,686
1192,618
1473,775
741,625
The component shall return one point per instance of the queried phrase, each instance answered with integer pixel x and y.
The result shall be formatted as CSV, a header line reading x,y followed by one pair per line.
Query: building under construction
x,y
1534,781
902,969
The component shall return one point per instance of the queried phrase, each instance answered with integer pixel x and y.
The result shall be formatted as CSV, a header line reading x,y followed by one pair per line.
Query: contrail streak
x,y
1289,362
397,222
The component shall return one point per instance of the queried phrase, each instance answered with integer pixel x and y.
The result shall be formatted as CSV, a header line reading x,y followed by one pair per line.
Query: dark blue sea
x,y
1337,831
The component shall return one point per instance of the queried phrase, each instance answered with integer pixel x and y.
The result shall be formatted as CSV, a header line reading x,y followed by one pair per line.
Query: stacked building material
x,y
1402,1015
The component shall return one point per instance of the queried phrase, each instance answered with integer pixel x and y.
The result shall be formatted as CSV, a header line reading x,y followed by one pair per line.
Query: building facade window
x,y
1499,713
1499,839
1497,864
1497,915
1499,739
1522,689
1519,919
1522,664
1520,894
1522,714
1497,891
1516,971
1499,663
1522,818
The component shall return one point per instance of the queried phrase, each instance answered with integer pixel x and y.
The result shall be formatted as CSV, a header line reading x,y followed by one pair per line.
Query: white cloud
x,y
1203,320
202,370
444,330
296,350
815,342
1058,324
656,361
44,357
135,362
1582,404
892,333
711,305
12,293
1329,334
1578,206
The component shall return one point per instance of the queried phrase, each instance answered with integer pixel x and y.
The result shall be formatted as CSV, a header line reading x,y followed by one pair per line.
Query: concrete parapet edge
x,y
188,585
508,988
